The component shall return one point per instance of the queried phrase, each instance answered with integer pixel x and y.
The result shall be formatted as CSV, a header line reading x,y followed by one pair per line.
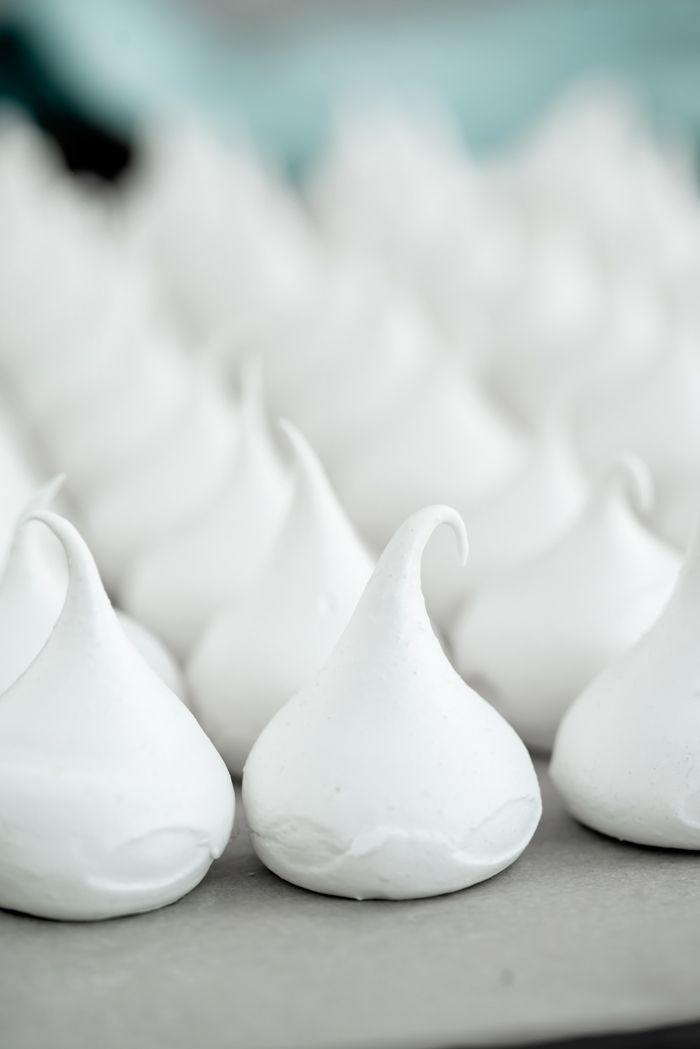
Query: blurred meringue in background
x,y
490,333
256,369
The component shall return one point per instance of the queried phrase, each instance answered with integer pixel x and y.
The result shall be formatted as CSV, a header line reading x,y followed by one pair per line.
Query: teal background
x,y
497,63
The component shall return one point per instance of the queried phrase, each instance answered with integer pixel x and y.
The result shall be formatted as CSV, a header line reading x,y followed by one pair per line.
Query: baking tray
x,y
582,936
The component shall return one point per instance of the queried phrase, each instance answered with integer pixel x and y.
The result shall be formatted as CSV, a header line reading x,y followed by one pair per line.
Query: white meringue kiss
x,y
386,776
114,801
270,638
33,585
625,756
533,637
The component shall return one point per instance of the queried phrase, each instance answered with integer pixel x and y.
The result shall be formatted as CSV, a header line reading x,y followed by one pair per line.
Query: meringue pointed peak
x,y
308,472
403,553
86,597
395,586
37,501
447,796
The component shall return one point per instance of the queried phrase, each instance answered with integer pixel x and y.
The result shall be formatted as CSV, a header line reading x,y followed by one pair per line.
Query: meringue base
x,y
388,863
46,894
626,818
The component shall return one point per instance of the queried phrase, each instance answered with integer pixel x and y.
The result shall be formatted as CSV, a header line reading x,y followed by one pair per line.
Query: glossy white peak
x,y
268,639
533,637
386,776
32,592
174,479
180,578
625,756
114,800
33,585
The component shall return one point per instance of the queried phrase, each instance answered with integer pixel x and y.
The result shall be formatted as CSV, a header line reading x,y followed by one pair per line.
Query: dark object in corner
x,y
27,80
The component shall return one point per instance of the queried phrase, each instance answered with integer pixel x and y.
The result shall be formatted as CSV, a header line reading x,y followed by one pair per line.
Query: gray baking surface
x,y
581,935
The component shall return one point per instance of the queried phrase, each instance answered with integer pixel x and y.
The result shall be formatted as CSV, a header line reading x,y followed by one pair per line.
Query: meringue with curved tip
x,y
533,637
386,776
625,755
268,640
114,800
178,581
32,591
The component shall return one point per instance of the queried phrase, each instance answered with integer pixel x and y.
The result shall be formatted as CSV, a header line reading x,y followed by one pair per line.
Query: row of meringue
x,y
115,802
219,491
36,571
357,346
386,776
564,267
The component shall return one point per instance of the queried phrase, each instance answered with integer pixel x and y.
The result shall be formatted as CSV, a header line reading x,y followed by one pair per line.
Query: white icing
x,y
533,637
179,579
625,756
267,640
386,776
33,585
114,800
